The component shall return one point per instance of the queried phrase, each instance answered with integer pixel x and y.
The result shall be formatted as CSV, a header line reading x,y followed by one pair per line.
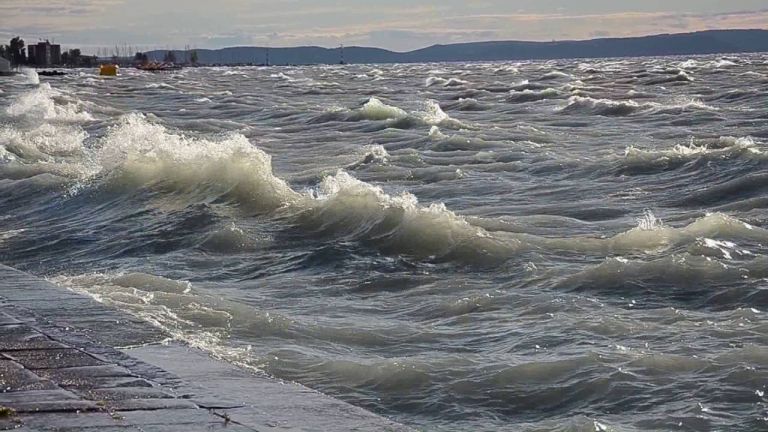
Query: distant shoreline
x,y
696,43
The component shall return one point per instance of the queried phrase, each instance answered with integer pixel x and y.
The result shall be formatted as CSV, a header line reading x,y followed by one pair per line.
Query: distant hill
x,y
704,42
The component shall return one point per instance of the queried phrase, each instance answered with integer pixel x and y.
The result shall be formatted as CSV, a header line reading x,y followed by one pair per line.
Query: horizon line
x,y
192,48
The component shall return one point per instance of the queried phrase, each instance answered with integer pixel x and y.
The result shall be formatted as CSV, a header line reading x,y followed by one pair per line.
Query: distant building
x,y
44,54
5,67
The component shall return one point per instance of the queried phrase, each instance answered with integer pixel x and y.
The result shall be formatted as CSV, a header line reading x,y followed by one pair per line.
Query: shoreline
x,y
60,368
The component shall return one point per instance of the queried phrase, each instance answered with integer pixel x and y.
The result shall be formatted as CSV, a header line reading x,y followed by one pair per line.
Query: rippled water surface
x,y
571,246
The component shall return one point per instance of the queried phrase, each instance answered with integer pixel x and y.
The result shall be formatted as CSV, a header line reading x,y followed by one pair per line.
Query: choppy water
x,y
569,246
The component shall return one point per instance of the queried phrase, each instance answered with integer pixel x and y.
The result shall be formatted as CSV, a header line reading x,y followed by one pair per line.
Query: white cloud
x,y
395,24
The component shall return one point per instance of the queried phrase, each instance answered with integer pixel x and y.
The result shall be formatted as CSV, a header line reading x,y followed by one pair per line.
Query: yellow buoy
x,y
108,70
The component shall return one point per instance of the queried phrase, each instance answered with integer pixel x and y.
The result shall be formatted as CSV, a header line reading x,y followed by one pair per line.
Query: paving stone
x,y
72,375
16,337
217,426
150,404
14,377
53,358
124,393
104,382
45,401
126,428
36,396
70,421
11,423
6,319
168,417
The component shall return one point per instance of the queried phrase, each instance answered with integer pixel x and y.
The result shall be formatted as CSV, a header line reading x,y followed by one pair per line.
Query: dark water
x,y
569,246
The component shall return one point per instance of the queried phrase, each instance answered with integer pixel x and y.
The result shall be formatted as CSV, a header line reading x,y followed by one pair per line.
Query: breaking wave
x,y
376,110
720,148
678,77
532,95
450,82
41,103
652,236
612,108
136,153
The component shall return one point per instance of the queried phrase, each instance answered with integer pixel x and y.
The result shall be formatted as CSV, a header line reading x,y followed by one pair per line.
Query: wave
x,y
613,108
41,103
136,153
352,208
721,63
652,236
159,85
672,276
282,76
531,95
57,150
235,72
450,82
604,107
527,85
554,75
469,104
720,148
373,154
678,77
189,316
232,239
376,110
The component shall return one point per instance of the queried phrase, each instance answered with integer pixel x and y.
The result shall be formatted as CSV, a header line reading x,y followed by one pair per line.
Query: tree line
x,y
169,57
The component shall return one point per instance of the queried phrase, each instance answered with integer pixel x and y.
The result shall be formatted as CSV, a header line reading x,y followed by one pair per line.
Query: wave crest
x,y
136,152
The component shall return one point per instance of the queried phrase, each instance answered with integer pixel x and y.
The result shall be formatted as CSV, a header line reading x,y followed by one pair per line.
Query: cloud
x,y
395,24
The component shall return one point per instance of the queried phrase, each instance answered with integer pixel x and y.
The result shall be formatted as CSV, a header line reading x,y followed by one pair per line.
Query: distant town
x,y
45,54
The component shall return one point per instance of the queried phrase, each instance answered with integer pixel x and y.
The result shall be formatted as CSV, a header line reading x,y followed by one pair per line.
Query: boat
x,y
159,67
108,69
51,73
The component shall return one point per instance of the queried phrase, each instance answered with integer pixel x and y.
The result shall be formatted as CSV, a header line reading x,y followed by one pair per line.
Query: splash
x,y
31,76
649,222
41,103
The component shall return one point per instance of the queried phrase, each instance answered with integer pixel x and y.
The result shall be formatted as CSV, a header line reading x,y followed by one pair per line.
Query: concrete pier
x,y
60,371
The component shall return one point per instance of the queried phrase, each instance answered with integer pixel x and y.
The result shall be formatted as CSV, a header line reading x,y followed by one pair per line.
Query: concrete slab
x,y
14,377
53,358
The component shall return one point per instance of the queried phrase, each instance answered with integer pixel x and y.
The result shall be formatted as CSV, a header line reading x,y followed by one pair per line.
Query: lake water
x,y
566,245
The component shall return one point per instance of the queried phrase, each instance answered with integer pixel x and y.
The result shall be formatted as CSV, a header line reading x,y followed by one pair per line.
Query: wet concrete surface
x,y
60,370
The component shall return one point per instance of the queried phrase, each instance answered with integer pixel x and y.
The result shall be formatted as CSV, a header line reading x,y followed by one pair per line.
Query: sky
x,y
399,25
